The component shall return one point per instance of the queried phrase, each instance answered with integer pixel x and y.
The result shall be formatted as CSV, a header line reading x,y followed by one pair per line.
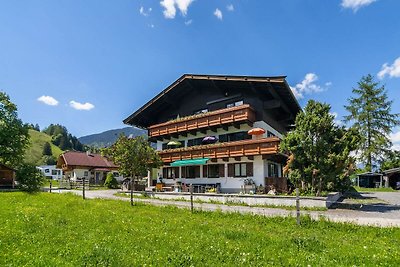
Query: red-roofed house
x,y
78,165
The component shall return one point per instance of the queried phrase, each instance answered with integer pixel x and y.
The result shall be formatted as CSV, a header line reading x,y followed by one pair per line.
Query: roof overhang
x,y
142,117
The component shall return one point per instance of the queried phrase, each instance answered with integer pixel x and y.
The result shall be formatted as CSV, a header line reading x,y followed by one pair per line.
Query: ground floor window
x,y
170,172
240,170
214,170
273,169
191,171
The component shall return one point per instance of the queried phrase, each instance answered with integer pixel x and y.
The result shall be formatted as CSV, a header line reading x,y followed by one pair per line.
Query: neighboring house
x,y
7,177
392,178
370,179
51,172
225,108
78,165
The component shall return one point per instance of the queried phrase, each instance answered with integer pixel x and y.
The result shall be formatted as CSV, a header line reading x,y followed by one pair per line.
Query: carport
x,y
392,177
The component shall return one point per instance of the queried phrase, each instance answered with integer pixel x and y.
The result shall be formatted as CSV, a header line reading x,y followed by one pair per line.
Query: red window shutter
x,y
249,169
221,170
205,169
231,170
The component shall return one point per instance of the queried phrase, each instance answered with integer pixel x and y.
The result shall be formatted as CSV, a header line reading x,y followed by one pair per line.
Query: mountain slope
x,y
108,138
33,153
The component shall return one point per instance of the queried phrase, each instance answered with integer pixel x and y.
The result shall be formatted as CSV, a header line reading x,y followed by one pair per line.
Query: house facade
x,y
51,172
93,167
201,124
7,177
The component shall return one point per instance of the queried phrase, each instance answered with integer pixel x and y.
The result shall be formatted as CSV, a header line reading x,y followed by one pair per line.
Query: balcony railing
x,y
226,116
263,146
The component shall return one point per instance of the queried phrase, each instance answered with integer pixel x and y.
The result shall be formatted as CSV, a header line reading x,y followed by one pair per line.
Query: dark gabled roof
x,y
7,167
284,91
392,170
73,158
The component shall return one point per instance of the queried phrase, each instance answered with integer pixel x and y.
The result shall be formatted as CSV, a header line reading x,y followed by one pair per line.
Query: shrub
x,y
29,178
111,182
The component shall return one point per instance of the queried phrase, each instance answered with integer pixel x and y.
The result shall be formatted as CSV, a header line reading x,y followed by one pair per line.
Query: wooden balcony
x,y
212,119
264,146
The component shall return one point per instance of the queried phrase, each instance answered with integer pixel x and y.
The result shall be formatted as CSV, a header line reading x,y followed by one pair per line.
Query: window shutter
x,y
205,169
249,169
231,170
221,170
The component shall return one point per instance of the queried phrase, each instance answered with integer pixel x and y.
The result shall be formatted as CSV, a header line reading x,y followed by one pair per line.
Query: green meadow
x,y
63,230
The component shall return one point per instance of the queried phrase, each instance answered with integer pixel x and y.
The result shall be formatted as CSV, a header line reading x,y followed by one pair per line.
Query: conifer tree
x,y
370,113
47,149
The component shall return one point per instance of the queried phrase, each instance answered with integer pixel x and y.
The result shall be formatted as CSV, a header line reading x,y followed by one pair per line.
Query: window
x,y
234,137
191,171
234,104
273,170
54,172
240,170
85,173
195,142
201,111
213,171
116,174
171,172
47,170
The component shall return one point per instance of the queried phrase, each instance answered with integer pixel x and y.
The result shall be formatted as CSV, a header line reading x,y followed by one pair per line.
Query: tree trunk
x,y
319,187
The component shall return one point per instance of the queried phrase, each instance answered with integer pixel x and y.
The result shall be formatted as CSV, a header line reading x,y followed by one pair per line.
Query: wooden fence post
x,y
50,185
83,187
131,191
297,206
191,198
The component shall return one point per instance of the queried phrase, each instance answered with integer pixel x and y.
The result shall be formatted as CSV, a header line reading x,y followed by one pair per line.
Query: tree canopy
x,y
14,136
62,138
370,115
319,150
134,156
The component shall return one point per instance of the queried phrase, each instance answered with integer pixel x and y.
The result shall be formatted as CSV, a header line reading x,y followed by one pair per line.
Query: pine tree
x,y
47,149
370,113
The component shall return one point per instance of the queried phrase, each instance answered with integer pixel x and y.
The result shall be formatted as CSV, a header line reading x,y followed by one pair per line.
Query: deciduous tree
x,y
14,136
134,156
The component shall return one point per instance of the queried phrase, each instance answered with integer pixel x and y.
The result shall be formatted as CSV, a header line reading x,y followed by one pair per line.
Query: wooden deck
x,y
213,119
264,146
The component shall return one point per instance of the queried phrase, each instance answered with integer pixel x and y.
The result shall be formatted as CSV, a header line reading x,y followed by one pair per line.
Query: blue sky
x,y
93,62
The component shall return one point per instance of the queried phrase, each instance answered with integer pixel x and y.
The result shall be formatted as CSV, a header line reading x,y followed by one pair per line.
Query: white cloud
x,y
391,70
218,14
308,86
80,106
395,138
171,5
356,4
143,12
48,100
188,22
335,120
230,7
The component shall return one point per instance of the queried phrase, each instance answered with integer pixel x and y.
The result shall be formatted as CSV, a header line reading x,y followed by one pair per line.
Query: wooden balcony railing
x,y
243,113
264,146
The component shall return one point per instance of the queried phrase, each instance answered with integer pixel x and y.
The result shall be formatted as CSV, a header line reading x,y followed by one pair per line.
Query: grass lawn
x,y
64,230
381,189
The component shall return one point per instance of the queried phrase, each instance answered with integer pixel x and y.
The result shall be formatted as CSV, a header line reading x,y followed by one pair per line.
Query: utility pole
x,y
83,187
297,206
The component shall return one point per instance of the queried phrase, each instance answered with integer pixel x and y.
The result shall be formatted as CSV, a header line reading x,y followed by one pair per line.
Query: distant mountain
x,y
108,138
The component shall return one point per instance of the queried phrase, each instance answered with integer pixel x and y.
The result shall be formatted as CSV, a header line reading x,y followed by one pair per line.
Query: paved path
x,y
383,218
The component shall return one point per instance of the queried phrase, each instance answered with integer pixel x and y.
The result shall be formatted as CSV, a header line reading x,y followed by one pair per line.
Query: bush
x,y
29,178
111,182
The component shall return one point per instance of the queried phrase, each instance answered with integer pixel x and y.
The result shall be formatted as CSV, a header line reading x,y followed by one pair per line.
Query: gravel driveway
x,y
384,211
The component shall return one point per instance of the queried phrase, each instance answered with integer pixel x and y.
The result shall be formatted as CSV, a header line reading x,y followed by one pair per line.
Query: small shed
x,y
370,179
7,177
392,177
